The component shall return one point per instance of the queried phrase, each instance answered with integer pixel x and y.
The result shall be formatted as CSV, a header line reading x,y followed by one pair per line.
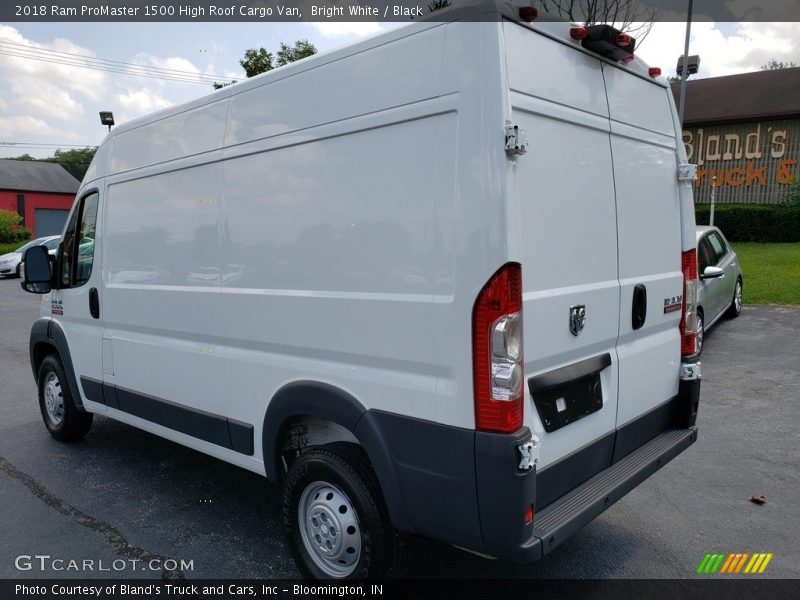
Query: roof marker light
x,y
623,39
654,72
528,13
578,33
628,59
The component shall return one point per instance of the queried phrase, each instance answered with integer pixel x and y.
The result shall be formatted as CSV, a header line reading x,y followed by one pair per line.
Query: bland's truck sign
x,y
746,162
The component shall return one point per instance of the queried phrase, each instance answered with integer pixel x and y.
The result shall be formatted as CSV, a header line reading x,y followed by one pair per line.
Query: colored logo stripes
x,y
735,562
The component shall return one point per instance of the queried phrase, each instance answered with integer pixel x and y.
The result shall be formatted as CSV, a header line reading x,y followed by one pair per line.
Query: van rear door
x,y
563,190
643,143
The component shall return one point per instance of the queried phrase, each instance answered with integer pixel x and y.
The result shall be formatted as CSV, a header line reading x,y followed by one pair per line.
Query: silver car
x,y
719,292
10,264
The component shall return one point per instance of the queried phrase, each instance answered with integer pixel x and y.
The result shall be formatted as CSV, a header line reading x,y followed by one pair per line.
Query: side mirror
x,y
38,274
712,273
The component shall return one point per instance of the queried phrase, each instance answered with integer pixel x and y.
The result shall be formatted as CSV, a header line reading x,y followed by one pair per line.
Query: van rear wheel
x,y
336,519
63,419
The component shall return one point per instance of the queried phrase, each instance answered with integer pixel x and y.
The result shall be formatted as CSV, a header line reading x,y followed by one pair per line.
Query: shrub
x,y
754,222
11,230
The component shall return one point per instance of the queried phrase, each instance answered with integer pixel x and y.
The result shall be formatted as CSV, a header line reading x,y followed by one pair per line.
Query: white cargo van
x,y
437,283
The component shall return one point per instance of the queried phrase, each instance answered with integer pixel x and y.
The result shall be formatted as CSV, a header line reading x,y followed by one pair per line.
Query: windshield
x,y
30,244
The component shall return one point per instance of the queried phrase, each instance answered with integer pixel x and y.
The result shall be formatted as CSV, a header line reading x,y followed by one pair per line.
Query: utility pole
x,y
685,72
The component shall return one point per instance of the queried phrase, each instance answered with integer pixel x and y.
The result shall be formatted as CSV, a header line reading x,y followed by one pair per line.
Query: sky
x,y
56,105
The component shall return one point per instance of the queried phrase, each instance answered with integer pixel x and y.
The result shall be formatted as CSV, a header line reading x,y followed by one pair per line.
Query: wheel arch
x,y
322,401
47,337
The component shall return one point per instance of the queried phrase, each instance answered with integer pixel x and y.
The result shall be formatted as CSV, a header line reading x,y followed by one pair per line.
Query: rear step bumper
x,y
568,514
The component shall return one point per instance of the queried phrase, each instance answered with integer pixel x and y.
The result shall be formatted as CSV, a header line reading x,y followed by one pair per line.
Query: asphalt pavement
x,y
132,503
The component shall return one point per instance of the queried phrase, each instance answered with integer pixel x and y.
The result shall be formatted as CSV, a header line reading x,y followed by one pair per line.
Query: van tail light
x,y
689,314
497,352
528,516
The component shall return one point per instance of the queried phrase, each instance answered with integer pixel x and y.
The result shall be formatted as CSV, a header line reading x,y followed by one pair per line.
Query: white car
x,y
11,263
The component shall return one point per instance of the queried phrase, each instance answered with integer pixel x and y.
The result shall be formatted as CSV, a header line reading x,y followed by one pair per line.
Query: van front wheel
x,y
336,519
63,419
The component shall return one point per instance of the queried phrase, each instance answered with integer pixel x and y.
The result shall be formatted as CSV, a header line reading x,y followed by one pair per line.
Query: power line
x,y
165,70
98,68
49,144
110,68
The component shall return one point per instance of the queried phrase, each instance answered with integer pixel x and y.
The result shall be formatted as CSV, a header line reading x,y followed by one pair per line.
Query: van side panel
x,y
328,266
161,275
358,84
643,142
185,134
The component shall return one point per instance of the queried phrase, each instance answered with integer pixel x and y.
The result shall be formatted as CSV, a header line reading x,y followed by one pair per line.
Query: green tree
x,y
774,65
288,54
256,62
76,161
260,61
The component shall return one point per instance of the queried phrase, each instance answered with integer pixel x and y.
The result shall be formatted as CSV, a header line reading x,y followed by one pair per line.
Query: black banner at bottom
x,y
743,588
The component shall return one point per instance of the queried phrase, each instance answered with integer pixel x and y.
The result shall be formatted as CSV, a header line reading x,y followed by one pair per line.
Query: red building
x,y
40,192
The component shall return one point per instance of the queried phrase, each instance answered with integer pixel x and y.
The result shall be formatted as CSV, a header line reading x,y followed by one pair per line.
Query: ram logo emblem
x,y
577,318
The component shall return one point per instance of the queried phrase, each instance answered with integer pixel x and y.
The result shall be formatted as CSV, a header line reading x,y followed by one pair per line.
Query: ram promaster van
x,y
438,283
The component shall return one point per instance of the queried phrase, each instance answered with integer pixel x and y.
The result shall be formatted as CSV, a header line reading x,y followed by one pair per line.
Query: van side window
x,y
78,253
68,243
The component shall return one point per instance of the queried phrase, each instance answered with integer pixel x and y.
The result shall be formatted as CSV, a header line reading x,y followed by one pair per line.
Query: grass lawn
x,y
771,272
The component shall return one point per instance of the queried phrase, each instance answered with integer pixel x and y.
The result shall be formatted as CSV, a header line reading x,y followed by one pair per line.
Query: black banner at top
x,y
596,11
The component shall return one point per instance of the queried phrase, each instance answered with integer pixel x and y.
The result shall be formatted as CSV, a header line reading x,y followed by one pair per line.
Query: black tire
x,y
19,270
735,309
64,420
345,469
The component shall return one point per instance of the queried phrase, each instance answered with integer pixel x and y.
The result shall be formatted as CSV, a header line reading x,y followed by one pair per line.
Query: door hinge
x,y
530,454
687,172
516,141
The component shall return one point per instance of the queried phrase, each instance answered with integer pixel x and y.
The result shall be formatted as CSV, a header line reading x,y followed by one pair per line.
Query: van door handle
x,y
94,303
639,309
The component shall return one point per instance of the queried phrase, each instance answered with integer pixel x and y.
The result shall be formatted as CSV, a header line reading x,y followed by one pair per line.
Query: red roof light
x,y
655,72
578,33
528,13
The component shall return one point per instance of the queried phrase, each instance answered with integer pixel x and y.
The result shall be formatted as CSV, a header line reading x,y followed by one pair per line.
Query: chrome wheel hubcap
x,y
737,297
699,333
329,529
53,399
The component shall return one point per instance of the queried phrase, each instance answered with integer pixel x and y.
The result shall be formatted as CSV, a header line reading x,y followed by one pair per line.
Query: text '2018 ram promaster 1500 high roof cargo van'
x,y
438,283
